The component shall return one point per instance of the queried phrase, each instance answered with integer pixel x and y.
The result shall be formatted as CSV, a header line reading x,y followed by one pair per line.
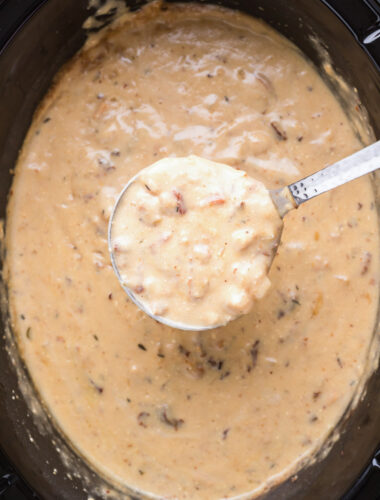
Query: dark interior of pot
x,y
48,33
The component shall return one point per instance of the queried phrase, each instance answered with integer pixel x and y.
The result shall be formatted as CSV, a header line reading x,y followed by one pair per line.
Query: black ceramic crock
x,y
36,38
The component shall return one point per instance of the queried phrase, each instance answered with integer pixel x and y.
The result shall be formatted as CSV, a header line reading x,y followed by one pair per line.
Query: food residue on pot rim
x,y
118,370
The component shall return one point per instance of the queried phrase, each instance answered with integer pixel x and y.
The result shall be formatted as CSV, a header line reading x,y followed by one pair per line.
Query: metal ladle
x,y
285,199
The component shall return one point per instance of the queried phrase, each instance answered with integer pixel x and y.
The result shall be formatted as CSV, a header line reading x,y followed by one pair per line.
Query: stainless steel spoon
x,y
360,163
352,167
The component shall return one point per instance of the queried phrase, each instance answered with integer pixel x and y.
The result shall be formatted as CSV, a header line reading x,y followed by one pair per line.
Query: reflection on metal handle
x,y
360,163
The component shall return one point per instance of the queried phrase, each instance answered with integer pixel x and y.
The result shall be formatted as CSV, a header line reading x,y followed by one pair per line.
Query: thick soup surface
x,y
208,415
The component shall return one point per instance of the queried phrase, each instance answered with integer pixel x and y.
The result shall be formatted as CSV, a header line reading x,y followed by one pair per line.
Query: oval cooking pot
x,y
36,38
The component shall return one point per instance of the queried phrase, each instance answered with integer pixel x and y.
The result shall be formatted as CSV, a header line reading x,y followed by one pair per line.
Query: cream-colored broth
x,y
193,240
190,415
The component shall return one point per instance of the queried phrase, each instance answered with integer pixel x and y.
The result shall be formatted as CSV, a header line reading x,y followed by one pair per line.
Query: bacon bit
x,y
101,109
87,197
142,417
139,289
281,134
318,302
181,209
216,201
220,344
368,297
366,263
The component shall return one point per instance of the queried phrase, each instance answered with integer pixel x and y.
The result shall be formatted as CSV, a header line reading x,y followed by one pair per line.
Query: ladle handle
x,y
360,163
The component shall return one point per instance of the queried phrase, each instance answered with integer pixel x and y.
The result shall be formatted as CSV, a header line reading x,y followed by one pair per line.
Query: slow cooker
x,y
36,38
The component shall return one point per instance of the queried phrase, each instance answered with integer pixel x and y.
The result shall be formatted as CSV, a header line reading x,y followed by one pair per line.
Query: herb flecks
x,y
176,423
280,314
225,433
214,363
253,352
280,133
183,351
96,386
225,375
